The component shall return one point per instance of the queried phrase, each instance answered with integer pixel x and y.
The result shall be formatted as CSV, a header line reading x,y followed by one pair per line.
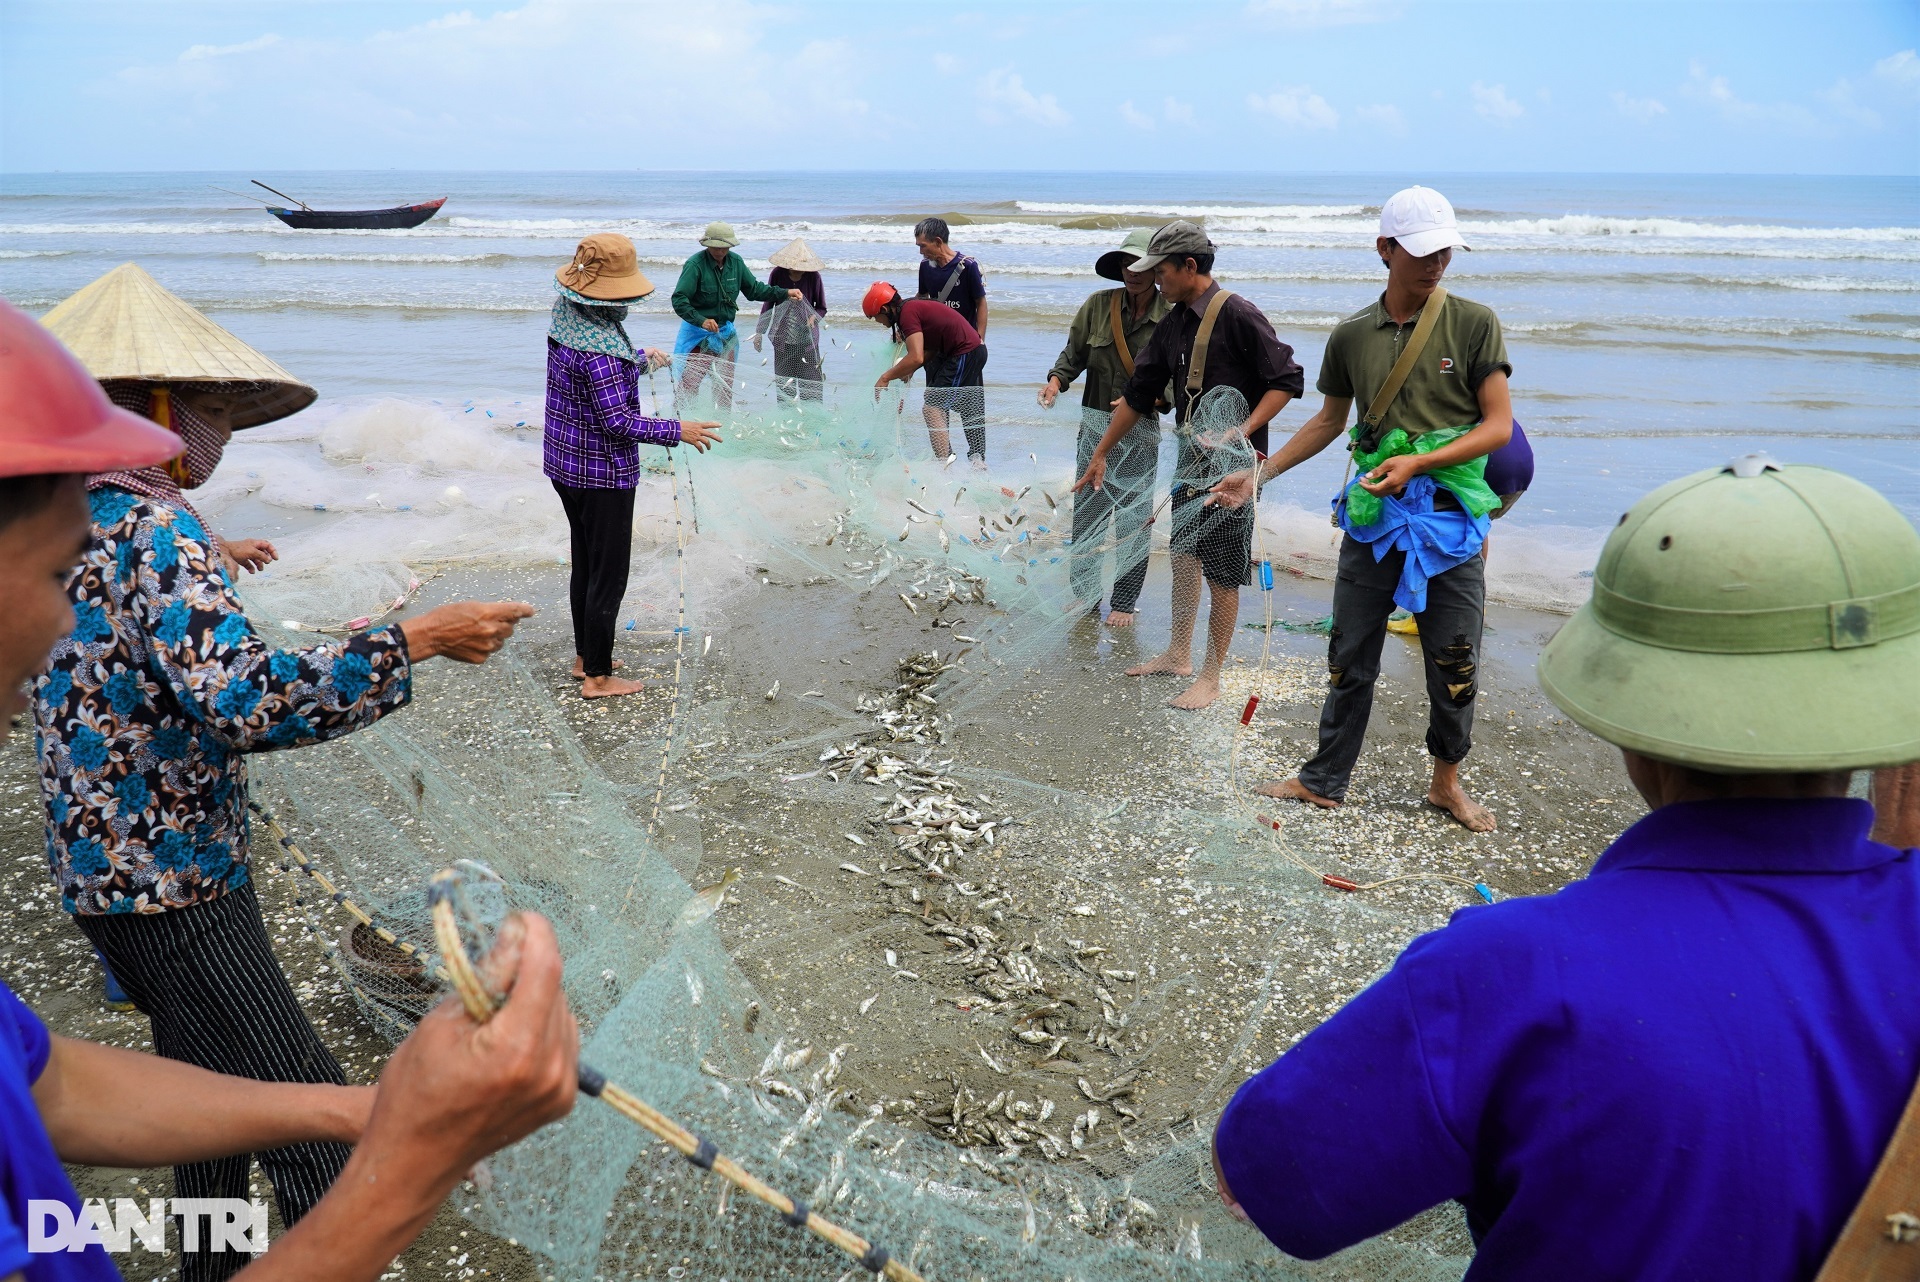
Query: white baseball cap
x,y
1421,220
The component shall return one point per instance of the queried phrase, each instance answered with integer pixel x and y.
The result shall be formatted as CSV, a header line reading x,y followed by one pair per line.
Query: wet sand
x,y
1179,946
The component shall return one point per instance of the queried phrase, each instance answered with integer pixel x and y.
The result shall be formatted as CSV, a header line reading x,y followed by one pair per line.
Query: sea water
x,y
1656,324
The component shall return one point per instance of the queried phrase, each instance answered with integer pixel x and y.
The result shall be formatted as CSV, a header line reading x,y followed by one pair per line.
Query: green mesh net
x,y
894,886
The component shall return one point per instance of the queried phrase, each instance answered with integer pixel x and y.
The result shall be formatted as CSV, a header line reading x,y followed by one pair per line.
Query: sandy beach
x,y
1232,953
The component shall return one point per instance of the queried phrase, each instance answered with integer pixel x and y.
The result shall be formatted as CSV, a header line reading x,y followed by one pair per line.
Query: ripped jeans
x,y
1449,640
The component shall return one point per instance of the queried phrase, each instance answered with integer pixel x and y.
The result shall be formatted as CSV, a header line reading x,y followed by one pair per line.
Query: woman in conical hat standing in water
x,y
148,710
796,328
594,431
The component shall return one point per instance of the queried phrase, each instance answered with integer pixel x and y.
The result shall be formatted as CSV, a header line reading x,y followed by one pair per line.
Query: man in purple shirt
x,y
1686,1065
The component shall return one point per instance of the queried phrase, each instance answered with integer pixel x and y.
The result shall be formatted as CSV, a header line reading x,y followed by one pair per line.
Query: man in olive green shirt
x,y
1459,381
1121,508
706,299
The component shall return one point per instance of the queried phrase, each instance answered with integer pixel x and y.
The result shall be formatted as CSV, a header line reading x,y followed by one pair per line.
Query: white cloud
x,y
200,52
1006,89
1136,117
1298,106
1901,70
1717,92
1644,110
1492,103
1383,116
1178,113
946,64
1323,13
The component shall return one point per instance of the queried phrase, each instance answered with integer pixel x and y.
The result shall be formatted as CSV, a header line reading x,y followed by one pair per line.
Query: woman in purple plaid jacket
x,y
594,430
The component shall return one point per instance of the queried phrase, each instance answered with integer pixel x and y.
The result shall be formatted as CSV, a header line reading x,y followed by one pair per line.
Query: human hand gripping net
x,y
467,905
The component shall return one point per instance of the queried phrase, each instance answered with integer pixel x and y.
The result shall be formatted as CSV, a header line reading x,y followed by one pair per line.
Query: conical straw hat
x,y
797,256
126,326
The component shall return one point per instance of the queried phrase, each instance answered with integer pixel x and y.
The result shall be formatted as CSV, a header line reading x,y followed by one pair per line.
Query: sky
x,y
1731,86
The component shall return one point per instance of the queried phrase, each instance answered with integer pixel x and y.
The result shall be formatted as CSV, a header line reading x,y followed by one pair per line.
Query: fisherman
x,y
797,372
451,1094
1108,329
591,441
150,705
706,300
953,280
1686,1064
941,340
1240,353
1431,369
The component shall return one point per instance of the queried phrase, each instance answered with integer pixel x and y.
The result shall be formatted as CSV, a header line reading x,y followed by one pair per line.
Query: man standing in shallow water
x,y
1416,518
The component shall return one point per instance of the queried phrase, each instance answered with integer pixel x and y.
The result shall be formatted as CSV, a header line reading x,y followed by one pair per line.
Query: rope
x,y
698,1150
680,634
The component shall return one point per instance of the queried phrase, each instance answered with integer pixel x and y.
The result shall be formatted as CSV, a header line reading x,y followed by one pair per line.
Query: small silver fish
x,y
773,693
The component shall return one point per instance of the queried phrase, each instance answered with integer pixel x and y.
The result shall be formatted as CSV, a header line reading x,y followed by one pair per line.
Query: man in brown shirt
x,y
1244,363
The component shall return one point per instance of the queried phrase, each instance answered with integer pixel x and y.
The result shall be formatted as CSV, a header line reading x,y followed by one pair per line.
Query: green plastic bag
x,y
1467,481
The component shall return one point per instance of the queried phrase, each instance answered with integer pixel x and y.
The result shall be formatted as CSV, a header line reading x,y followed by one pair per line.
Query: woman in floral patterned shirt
x,y
145,717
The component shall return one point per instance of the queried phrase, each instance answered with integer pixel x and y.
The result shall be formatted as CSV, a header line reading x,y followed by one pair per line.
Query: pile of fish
x,y
1011,1124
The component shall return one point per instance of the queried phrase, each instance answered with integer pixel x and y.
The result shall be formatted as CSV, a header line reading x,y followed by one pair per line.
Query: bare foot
x,y
1293,790
1470,814
1198,695
580,667
1119,618
607,687
1179,665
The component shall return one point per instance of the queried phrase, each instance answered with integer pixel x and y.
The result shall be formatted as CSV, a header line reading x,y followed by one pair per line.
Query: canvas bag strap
x,y
1881,1240
1119,331
959,270
1383,399
1197,362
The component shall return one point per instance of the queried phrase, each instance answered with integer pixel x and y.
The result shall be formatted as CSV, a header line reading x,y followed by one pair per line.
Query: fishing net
x,y
893,887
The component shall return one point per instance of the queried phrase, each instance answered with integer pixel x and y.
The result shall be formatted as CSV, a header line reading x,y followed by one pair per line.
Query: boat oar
x,y
282,195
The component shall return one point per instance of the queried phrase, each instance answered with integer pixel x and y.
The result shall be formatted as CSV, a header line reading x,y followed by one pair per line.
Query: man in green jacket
x,y
706,300
1110,327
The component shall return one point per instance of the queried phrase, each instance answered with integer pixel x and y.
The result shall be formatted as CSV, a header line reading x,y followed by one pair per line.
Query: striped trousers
x,y
207,978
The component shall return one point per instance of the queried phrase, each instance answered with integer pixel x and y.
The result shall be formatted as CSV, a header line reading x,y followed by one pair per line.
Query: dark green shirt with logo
x,y
1443,388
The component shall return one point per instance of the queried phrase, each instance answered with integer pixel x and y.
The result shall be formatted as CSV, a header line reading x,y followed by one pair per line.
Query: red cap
x,y
879,294
55,418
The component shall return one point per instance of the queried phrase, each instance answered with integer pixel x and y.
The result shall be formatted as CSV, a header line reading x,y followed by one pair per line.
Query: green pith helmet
x,y
1131,250
719,236
1754,618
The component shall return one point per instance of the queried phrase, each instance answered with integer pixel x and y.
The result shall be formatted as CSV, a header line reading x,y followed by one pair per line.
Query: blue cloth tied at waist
x,y
691,338
1434,540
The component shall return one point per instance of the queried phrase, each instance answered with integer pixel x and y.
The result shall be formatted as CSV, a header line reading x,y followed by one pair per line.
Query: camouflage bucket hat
x,y
1756,618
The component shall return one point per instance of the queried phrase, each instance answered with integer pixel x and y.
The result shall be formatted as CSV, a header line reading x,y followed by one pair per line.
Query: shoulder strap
x,y
1383,399
960,262
1119,331
1881,1240
1197,361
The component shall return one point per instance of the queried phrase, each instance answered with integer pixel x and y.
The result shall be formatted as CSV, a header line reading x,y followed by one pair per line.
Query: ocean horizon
x,y
1657,323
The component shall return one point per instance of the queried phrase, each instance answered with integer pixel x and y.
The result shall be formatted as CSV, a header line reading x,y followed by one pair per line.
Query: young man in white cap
x,y
1690,1063
1430,371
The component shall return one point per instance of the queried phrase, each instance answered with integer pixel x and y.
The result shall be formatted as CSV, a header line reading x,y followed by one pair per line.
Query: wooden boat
x,y
358,219
398,216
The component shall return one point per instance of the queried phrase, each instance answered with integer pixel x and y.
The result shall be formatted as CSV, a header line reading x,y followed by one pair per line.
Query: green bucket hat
x,y
1132,249
1755,618
719,236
